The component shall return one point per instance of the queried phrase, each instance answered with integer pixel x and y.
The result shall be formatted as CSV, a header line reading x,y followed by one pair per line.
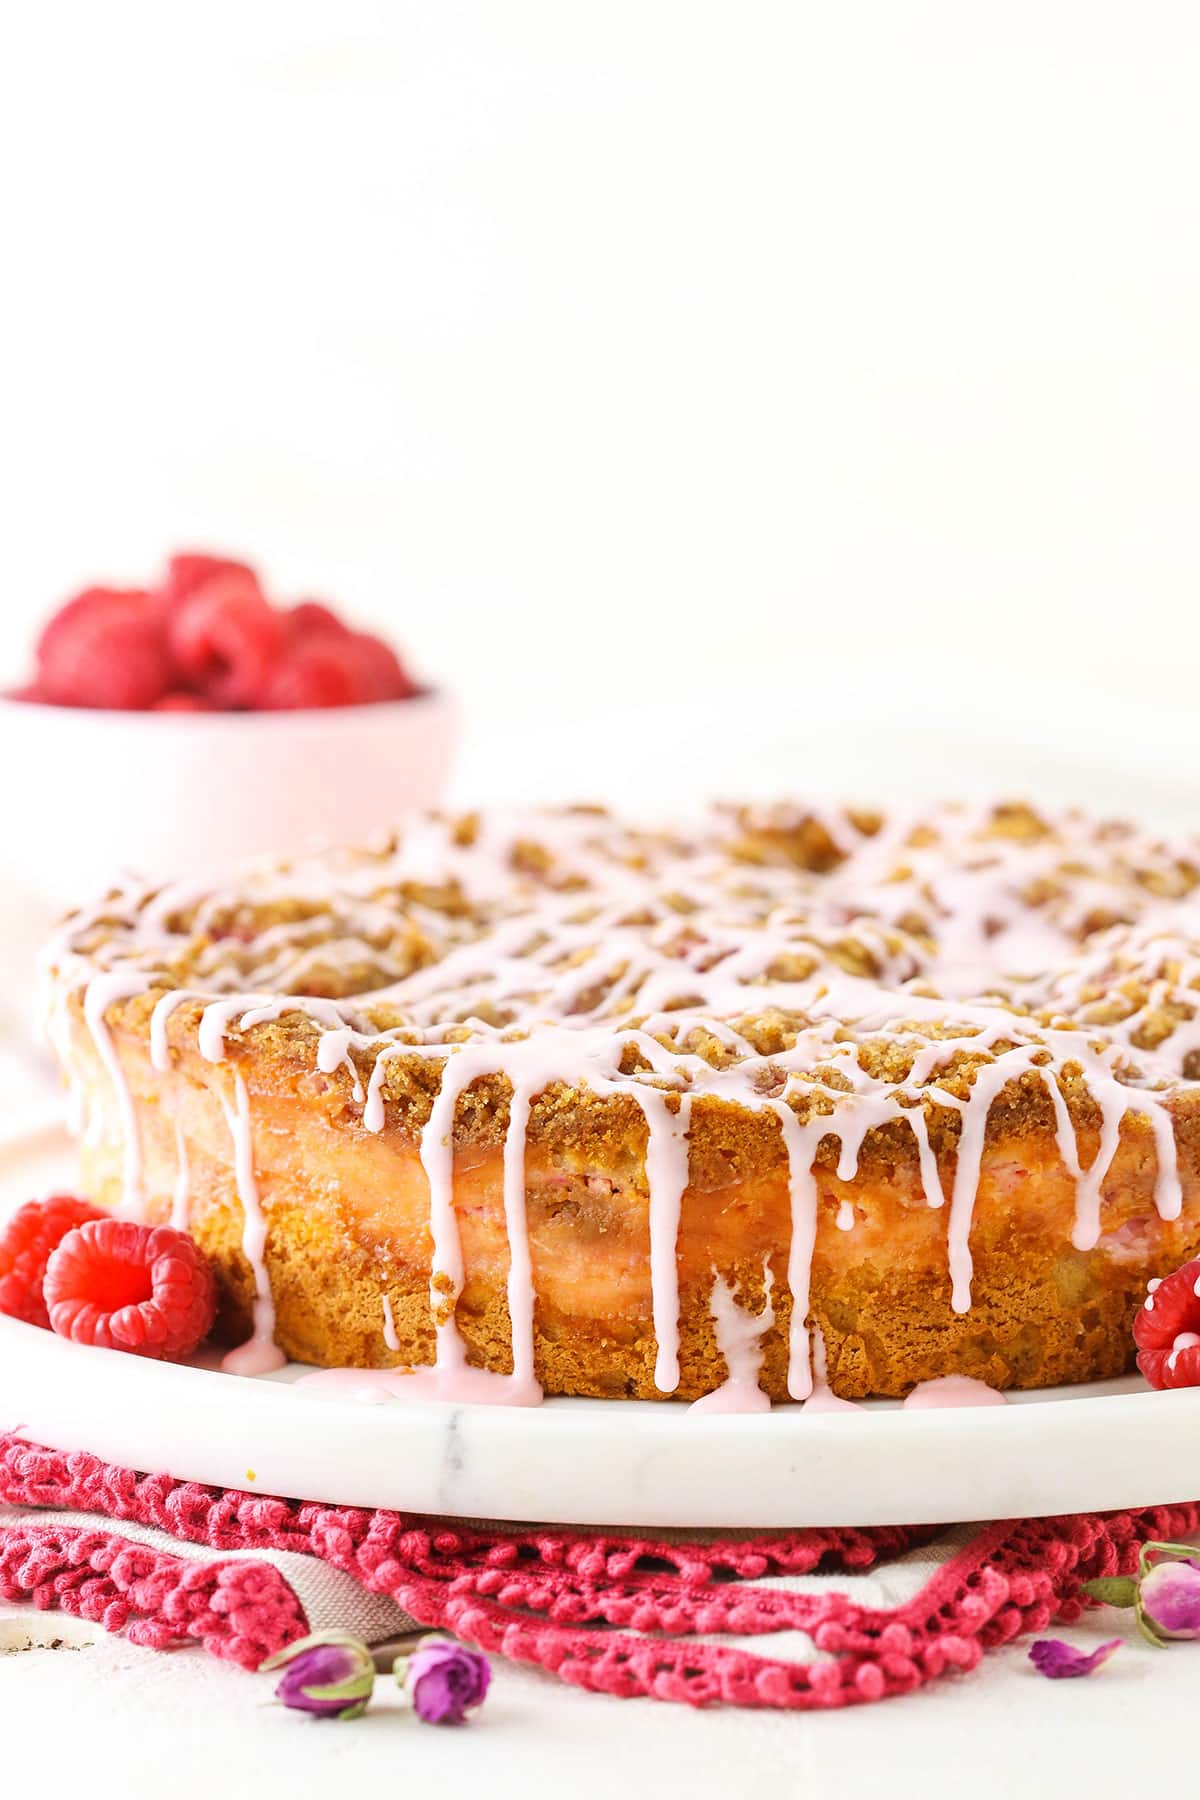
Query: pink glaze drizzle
x,y
822,1398
739,1336
666,1178
952,1391
259,1354
101,993
521,1300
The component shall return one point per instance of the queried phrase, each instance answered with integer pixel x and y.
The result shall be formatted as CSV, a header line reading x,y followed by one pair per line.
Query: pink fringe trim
x,y
565,1600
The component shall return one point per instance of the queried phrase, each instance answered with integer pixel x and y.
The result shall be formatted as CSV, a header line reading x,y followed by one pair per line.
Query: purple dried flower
x,y
1165,1593
1050,1656
328,1675
443,1679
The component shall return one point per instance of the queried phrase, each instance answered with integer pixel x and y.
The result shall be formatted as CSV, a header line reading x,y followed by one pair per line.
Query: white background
x,y
764,395
787,395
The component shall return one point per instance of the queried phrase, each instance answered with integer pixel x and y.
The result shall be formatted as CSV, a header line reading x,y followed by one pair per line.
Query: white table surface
x,y
112,1719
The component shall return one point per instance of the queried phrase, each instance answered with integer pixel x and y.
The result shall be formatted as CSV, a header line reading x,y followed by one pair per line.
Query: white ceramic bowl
x,y
91,794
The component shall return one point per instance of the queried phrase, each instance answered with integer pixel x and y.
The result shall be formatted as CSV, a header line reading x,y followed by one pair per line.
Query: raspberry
x,y
328,664
179,700
34,1231
105,648
124,1286
191,569
312,616
321,670
383,672
1167,1330
224,637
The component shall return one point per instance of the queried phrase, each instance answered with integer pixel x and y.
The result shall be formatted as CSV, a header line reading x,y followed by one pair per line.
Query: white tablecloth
x,y
112,1719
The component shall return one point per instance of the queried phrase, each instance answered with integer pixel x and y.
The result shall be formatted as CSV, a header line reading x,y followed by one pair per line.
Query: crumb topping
x,y
794,948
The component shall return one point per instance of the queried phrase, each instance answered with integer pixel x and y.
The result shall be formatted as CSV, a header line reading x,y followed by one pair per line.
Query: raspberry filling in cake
x,y
549,1102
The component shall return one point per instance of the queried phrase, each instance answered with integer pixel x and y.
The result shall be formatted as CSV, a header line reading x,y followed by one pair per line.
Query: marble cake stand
x,y
1107,1445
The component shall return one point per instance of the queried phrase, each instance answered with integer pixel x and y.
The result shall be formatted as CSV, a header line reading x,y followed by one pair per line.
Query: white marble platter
x,y
1106,1445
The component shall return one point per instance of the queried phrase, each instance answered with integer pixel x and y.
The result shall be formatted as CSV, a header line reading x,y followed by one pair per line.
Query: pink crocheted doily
x,y
619,1614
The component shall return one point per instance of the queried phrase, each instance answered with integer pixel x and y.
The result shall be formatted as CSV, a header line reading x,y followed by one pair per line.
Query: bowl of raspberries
x,y
175,730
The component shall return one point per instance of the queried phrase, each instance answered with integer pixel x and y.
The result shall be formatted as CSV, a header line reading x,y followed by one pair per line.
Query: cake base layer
x,y
348,1248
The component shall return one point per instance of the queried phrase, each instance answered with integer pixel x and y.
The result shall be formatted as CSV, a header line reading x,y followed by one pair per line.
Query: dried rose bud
x,y
1165,1593
1170,1597
328,1675
443,1679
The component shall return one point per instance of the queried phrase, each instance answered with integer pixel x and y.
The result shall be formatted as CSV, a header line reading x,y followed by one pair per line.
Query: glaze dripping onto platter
x,y
1101,1445
640,1463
